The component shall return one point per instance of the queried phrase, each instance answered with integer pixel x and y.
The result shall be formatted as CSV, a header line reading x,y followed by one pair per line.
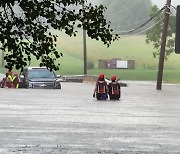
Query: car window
x,y
40,73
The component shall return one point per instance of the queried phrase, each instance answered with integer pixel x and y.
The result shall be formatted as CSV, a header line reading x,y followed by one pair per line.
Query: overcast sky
x,y
161,3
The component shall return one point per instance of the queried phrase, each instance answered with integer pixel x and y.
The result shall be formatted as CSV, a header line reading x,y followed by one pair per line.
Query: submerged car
x,y
40,78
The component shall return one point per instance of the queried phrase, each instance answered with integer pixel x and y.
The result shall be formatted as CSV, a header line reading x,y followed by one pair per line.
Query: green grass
x,y
127,48
133,48
127,74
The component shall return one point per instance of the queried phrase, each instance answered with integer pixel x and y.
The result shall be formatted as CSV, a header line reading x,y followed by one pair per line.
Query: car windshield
x,y
40,73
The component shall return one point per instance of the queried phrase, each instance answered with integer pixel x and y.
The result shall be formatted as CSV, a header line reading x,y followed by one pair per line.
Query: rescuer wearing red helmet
x,y
5,83
101,76
101,89
114,89
10,77
16,80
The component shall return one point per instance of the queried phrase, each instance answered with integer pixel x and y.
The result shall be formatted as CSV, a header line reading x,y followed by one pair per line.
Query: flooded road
x,y
70,120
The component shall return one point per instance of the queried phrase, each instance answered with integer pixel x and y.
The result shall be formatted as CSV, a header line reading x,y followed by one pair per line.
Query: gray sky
x,y
161,3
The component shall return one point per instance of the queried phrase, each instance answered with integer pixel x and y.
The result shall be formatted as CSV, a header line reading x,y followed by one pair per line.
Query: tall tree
x,y
154,34
126,14
25,24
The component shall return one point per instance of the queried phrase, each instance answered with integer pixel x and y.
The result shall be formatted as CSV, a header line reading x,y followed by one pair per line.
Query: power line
x,y
136,23
148,24
142,25
149,27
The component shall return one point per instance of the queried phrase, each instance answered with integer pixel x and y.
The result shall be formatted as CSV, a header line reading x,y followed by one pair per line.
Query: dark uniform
x,y
114,89
101,88
10,77
16,80
5,83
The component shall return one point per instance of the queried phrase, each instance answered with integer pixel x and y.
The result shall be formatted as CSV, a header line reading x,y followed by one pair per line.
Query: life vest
x,y
11,81
115,88
101,87
16,81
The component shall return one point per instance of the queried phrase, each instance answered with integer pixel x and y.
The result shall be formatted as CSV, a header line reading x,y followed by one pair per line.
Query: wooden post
x,y
163,46
2,64
85,50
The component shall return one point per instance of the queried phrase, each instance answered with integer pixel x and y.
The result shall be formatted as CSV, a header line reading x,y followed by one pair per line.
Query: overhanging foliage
x,y
25,24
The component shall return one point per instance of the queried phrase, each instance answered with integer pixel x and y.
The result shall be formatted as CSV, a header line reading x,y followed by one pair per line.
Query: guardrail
x,y
90,78
86,79
79,78
73,78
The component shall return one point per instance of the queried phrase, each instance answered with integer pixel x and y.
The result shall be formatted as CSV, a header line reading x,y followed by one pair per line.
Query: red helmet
x,y
15,74
113,78
10,72
101,76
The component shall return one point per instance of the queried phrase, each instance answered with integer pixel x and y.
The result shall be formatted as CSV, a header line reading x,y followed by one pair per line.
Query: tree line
x,y
125,14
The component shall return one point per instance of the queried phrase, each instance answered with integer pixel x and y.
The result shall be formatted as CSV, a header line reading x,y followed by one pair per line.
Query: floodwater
x,y
70,120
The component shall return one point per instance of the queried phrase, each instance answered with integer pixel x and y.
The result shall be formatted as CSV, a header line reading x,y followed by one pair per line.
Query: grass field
x,y
133,48
127,48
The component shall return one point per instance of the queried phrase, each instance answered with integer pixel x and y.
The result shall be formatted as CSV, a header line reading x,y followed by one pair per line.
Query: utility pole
x,y
2,64
85,50
163,45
